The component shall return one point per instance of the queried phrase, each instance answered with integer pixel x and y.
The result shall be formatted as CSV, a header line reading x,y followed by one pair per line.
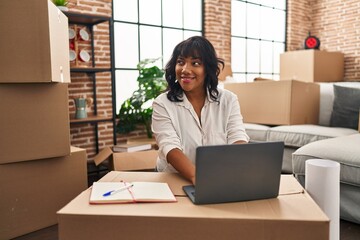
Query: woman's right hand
x,y
182,164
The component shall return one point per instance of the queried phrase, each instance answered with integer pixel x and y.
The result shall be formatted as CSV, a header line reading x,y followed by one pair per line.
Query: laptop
x,y
236,172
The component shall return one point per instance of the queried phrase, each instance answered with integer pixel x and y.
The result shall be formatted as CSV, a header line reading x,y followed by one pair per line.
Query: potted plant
x,y
61,4
138,108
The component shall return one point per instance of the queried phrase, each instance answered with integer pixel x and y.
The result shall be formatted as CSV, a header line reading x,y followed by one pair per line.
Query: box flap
x,y
103,155
135,161
289,185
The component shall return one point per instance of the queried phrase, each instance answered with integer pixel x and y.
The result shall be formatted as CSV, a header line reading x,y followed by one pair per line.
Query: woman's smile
x,y
187,79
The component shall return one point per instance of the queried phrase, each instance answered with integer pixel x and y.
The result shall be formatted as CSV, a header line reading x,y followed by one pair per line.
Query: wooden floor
x,y
348,231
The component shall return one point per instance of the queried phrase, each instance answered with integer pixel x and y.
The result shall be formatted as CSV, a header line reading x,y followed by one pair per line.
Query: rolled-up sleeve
x,y
163,129
235,126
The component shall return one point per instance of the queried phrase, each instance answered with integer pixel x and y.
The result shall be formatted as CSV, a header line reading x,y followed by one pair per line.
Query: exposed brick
x,y
336,23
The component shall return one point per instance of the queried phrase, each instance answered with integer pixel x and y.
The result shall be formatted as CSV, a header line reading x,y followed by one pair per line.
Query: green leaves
x,y
60,2
137,109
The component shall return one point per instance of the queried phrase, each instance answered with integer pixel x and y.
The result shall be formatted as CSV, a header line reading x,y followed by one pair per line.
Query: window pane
x,y
266,25
239,77
126,45
238,18
268,3
192,14
250,77
252,21
238,54
125,10
252,56
126,84
171,37
172,13
267,76
150,11
150,43
266,57
280,4
279,25
188,34
265,37
255,1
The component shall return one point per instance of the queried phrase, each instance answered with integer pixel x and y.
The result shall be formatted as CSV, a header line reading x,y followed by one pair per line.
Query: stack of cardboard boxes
x,y
39,171
295,98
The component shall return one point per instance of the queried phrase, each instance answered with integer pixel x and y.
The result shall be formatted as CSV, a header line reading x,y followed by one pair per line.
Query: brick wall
x,y
217,27
298,24
335,22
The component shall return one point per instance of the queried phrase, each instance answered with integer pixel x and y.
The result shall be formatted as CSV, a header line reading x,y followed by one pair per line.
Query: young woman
x,y
194,111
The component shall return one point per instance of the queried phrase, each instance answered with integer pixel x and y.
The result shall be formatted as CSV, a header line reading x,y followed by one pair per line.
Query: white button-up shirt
x,y
176,125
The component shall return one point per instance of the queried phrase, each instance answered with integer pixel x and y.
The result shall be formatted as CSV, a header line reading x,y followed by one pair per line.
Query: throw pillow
x,y
346,107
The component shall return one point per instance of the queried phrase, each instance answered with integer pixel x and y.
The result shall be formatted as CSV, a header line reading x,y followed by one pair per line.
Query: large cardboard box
x,y
127,161
292,215
152,141
32,192
278,102
34,121
312,66
34,43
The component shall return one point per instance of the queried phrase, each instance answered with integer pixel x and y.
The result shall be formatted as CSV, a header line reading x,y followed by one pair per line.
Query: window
x,y
149,29
258,30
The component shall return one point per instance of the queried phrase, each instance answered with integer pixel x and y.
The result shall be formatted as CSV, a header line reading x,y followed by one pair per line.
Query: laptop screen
x,y
238,172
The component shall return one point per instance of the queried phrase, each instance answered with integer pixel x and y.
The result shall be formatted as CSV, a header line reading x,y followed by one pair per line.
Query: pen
x,y
118,190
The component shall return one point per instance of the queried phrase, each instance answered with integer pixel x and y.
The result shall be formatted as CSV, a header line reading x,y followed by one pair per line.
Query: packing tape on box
x,y
322,181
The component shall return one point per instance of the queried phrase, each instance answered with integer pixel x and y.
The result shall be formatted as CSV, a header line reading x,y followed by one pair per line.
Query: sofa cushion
x,y
344,150
256,132
326,103
300,135
327,99
346,107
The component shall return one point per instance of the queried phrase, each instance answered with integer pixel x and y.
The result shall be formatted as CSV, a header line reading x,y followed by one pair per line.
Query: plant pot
x,y
63,8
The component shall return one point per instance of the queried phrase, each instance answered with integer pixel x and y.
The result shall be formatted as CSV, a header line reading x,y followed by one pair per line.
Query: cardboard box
x,y
34,121
32,192
128,161
34,43
278,102
293,215
312,66
152,141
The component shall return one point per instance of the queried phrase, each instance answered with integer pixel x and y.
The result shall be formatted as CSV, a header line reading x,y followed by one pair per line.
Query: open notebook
x,y
137,192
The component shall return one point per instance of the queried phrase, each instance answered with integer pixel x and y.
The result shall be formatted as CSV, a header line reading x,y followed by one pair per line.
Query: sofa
x,y
336,138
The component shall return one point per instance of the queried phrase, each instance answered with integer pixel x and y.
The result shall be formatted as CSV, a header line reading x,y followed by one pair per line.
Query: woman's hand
x,y
182,164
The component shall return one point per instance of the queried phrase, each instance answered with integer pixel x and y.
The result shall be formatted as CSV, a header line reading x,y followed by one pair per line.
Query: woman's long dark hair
x,y
201,48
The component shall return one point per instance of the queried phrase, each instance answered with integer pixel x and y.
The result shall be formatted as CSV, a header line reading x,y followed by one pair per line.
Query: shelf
x,y
89,69
90,119
87,19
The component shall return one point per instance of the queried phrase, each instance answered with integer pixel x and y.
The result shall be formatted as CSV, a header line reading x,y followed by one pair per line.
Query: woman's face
x,y
190,73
